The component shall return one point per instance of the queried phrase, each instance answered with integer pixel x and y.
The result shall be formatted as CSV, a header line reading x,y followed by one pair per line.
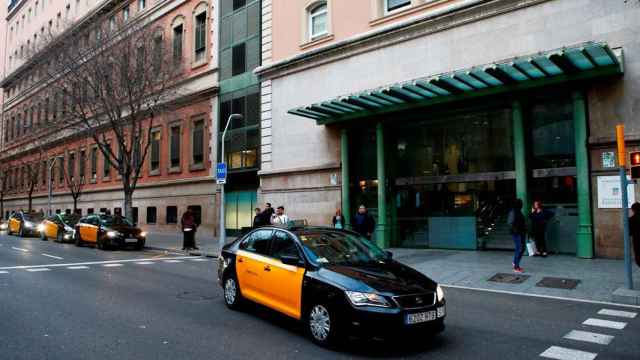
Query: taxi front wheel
x,y
232,296
323,326
77,239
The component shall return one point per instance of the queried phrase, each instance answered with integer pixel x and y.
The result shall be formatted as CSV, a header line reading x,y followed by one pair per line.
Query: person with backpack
x,y
518,229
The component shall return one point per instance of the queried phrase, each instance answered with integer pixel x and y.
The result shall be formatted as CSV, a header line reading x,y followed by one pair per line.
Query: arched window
x,y
200,33
177,27
318,20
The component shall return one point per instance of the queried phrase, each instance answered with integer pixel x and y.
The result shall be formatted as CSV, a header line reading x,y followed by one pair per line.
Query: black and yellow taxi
x,y
108,231
336,282
24,223
59,227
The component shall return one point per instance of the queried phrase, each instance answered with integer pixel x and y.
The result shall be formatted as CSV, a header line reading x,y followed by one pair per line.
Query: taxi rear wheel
x,y
77,239
60,237
43,236
21,231
322,325
232,296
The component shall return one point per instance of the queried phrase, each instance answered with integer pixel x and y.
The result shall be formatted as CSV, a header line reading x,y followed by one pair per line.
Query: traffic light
x,y
634,162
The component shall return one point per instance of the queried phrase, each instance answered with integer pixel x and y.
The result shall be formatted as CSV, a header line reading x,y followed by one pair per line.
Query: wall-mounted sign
x,y
609,194
608,159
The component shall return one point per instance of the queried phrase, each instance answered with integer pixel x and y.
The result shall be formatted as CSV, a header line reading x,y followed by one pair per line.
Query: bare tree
x,y
74,181
111,86
31,169
4,187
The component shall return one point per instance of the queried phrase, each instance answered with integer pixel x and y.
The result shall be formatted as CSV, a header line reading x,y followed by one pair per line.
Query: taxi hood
x,y
389,277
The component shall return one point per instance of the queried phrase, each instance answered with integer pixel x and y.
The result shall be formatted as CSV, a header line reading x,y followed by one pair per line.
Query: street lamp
x,y
222,239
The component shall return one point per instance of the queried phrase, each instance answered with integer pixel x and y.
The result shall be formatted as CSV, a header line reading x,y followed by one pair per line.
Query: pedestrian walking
x,y
518,229
189,228
257,219
363,223
539,218
267,213
634,230
338,220
279,218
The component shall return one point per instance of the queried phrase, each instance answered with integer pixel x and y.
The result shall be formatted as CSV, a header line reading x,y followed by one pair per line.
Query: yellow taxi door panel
x,y
89,232
249,270
283,287
14,225
50,229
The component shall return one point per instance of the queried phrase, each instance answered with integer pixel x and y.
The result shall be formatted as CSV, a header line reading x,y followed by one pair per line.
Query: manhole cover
x,y
509,278
558,283
185,295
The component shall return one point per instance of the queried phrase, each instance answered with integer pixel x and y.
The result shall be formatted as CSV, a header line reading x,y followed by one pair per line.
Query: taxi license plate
x,y
131,240
420,317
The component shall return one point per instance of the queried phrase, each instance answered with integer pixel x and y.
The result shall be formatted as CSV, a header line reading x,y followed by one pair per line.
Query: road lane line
x,y
173,261
90,263
112,265
52,256
618,313
590,337
145,262
200,259
605,323
550,297
38,269
4,272
19,249
560,353
77,267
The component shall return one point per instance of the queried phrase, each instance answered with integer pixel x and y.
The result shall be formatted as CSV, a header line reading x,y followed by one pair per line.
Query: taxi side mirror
x,y
293,260
388,254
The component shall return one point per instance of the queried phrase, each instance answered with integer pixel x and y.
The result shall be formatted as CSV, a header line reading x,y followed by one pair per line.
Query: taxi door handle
x,y
267,268
240,260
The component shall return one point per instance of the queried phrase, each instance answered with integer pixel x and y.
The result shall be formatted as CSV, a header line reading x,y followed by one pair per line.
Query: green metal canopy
x,y
579,62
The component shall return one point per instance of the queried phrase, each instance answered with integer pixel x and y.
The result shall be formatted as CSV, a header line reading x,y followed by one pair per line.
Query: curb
x,y
190,253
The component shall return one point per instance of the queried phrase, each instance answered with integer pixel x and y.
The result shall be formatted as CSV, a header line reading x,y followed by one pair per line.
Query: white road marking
x,y
560,353
38,269
516,293
605,323
618,313
589,337
112,265
4,272
77,267
173,261
52,256
200,259
19,249
145,262
91,263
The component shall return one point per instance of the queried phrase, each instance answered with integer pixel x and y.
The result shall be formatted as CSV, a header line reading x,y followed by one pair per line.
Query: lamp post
x,y
49,169
222,239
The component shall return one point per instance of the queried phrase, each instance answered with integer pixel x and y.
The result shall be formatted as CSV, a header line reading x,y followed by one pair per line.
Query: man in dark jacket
x,y
363,223
266,214
189,227
634,230
518,228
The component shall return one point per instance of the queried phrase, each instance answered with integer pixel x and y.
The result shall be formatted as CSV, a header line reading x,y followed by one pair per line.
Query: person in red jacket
x,y
189,227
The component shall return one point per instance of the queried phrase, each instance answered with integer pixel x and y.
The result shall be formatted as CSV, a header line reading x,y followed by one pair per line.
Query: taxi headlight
x,y
3,226
366,299
440,293
28,224
143,234
40,228
112,234
68,228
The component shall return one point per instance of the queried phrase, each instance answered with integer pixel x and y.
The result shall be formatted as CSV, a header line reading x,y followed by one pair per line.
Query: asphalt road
x,y
92,304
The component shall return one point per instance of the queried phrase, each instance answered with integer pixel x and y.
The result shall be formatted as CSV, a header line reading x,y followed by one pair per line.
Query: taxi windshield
x,y
115,221
33,217
340,248
71,220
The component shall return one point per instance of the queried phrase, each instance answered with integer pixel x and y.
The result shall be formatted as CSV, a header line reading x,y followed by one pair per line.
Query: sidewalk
x,y
208,245
599,278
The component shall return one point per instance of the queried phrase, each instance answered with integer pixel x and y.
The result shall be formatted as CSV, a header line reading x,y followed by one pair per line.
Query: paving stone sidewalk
x,y
599,278
208,245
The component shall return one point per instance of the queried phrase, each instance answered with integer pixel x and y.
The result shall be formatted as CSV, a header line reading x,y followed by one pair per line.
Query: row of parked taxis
x,y
105,231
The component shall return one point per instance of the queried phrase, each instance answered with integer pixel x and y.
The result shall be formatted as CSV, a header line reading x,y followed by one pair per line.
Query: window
x,y
391,5
157,52
90,211
172,214
107,164
112,24
152,214
71,167
82,165
178,33
283,245
125,13
102,211
141,4
201,36
239,59
318,21
258,242
134,214
175,147
198,143
155,151
94,163
237,4
61,169
117,211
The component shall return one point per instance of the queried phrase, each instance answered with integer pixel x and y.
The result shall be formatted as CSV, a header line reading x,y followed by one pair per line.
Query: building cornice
x,y
460,14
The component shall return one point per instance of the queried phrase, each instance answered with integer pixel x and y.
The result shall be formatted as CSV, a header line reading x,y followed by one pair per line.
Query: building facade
x,y
177,173
437,114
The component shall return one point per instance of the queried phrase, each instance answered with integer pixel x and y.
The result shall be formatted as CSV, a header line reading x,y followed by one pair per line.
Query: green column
x,y
381,229
520,154
584,237
344,154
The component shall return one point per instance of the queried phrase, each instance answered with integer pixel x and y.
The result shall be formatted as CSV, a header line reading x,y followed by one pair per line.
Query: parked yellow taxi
x,y
58,227
108,231
24,223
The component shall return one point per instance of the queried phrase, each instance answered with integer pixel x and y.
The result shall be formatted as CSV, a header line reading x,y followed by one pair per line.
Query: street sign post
x,y
221,173
624,183
221,179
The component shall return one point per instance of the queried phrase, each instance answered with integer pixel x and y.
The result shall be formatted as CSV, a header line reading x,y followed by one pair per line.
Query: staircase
x,y
498,238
